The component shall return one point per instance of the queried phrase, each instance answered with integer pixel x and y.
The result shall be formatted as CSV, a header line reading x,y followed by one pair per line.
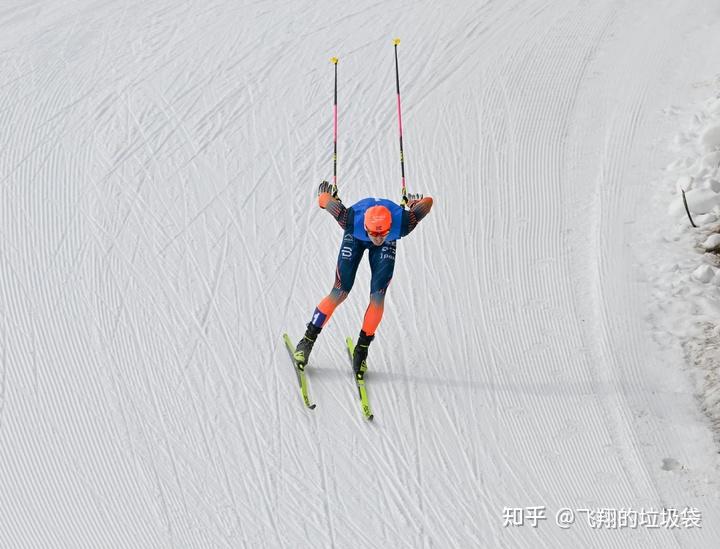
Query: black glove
x,y
411,199
326,187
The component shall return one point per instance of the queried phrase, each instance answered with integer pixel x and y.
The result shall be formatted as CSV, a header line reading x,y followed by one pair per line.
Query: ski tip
x,y
334,60
396,41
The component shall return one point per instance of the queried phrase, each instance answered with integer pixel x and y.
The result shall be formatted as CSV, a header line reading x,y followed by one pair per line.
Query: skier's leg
x,y
382,265
327,306
351,253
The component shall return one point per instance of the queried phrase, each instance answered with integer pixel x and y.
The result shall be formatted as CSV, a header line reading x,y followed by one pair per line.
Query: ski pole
x,y
335,125
396,41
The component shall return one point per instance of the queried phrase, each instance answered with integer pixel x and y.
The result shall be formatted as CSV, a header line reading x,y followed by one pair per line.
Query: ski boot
x,y
305,345
360,354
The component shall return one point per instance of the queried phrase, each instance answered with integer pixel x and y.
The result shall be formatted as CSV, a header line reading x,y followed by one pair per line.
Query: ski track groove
x,y
553,138
70,346
4,366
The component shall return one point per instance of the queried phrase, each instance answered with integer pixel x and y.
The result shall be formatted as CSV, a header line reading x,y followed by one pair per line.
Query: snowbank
x,y
689,289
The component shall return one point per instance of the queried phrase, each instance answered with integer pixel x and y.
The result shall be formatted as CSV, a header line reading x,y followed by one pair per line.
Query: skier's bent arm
x,y
418,209
332,204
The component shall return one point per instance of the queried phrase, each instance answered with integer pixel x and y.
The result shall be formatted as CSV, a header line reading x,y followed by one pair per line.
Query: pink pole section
x,y
335,129
396,41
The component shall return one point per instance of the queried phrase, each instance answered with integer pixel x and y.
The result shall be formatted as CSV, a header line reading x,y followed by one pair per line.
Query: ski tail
x,y
360,383
302,379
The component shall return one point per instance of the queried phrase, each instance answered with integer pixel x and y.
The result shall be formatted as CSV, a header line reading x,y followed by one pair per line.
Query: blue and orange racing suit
x,y
354,243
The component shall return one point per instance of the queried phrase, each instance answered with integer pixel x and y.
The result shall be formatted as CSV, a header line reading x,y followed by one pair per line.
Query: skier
x,y
371,224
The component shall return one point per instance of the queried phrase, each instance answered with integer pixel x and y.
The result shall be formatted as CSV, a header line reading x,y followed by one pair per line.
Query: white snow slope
x,y
159,231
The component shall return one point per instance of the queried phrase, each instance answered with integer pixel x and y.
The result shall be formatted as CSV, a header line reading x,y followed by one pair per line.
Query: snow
x,y
712,241
545,340
704,273
710,138
698,332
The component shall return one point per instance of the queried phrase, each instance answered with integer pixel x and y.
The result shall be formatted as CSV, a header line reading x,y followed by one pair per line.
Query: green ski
x,y
360,382
302,380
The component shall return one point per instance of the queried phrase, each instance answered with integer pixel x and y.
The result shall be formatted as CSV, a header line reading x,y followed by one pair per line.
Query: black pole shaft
x,y
687,210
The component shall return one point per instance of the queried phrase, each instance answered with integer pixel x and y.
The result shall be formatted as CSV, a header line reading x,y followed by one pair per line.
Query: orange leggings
x,y
382,264
373,313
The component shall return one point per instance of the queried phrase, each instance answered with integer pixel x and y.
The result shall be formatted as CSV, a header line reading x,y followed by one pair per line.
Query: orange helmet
x,y
378,220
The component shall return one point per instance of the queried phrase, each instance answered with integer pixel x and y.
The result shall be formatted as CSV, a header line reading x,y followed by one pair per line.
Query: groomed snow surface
x,y
159,231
